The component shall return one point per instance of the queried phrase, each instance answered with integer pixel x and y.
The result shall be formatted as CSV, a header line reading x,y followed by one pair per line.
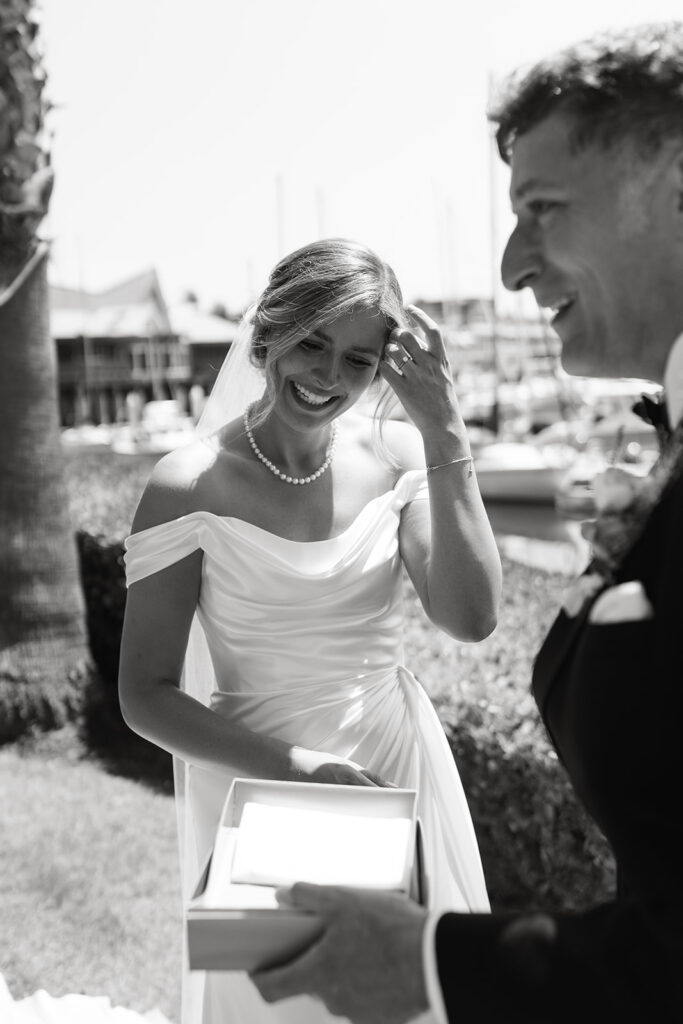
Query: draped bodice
x,y
306,644
279,613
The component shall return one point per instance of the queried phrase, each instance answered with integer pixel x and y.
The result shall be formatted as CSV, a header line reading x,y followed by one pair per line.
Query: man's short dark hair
x,y
625,84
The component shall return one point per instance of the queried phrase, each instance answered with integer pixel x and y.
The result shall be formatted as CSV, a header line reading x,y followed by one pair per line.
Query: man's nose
x,y
522,260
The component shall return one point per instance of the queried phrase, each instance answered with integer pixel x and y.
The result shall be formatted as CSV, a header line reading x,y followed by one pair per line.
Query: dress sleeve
x,y
154,549
412,486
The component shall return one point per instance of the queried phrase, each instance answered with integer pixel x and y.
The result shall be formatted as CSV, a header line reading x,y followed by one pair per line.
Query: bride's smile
x,y
310,397
326,372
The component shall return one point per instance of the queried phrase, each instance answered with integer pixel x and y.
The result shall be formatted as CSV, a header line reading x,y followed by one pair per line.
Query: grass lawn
x,y
88,880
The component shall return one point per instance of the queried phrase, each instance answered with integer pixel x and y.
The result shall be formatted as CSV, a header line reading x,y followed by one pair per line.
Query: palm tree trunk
x,y
44,658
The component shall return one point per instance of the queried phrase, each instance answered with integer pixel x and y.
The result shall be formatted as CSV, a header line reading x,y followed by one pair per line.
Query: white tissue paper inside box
x,y
282,845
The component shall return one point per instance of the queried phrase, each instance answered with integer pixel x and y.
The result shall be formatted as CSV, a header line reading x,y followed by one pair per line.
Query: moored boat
x,y
511,471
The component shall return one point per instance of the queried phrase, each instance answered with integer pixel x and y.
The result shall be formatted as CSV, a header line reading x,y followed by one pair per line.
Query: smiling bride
x,y
263,632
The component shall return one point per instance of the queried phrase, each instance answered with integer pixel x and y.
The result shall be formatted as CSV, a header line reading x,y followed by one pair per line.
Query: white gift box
x,y
272,834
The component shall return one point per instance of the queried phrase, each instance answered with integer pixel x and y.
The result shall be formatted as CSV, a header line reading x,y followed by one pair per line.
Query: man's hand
x,y
366,965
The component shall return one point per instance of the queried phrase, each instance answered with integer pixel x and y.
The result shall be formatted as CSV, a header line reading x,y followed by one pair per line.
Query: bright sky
x,y
209,137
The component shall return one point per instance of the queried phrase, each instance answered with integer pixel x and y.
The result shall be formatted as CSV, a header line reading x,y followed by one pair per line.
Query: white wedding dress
x,y
306,645
305,641
74,1008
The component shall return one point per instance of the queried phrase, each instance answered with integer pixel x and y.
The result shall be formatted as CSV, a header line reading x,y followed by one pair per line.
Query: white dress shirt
x,y
431,974
673,382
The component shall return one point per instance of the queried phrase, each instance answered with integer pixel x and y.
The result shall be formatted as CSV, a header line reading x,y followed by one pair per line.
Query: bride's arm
x,y
451,556
159,611
449,549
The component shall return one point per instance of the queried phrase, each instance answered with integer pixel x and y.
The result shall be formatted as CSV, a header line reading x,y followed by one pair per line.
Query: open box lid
x,y
274,833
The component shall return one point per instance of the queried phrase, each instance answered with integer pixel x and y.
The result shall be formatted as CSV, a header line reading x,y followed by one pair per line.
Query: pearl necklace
x,y
278,472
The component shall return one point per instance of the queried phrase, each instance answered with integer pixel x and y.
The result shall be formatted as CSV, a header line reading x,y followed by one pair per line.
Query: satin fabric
x,y
305,641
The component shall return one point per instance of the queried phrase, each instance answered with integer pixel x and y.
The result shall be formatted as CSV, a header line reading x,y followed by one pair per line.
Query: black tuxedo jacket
x,y
611,696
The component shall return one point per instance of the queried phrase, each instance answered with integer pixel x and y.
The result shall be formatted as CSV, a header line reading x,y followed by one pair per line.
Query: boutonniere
x,y
580,590
623,504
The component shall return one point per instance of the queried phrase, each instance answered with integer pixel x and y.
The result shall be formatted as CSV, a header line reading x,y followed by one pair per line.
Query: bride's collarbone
x,y
312,512
235,485
317,511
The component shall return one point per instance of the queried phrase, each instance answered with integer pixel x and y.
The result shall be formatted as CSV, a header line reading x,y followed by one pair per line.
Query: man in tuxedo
x,y
594,139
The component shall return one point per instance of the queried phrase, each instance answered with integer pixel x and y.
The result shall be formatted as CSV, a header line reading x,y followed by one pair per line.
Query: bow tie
x,y
653,410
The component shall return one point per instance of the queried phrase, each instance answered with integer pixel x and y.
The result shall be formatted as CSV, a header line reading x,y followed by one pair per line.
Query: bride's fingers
x,y
389,373
393,363
430,328
364,778
412,345
346,775
377,780
337,773
404,347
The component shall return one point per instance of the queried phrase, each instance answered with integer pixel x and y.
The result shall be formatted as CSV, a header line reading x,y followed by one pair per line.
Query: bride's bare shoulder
x,y
188,479
404,444
395,441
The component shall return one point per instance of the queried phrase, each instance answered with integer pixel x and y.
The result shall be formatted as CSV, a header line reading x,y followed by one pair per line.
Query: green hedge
x,y
537,845
41,700
103,491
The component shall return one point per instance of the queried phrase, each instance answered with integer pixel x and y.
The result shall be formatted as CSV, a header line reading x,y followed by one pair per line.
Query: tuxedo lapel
x,y
556,647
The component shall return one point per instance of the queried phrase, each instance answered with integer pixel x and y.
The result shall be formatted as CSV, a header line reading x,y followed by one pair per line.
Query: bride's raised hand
x,y
415,364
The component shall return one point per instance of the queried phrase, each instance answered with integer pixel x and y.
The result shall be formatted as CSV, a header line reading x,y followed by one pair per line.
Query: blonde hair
x,y
313,287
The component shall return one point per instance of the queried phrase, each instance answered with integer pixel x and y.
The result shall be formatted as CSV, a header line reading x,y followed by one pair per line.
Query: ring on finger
x,y
407,358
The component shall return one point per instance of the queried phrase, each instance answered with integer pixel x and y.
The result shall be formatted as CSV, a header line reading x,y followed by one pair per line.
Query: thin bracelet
x,y
441,465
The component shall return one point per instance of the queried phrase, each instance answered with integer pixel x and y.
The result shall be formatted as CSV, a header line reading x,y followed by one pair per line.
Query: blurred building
x,y
206,337
479,340
126,341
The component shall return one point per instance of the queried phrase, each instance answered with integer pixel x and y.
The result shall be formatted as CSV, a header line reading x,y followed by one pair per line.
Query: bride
x,y
263,627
